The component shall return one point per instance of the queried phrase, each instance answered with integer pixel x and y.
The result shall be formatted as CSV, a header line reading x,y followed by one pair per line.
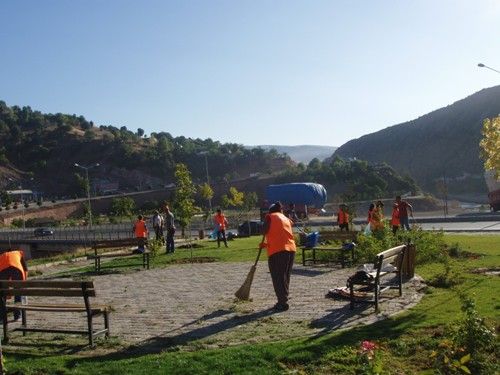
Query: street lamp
x,y
205,153
487,67
88,187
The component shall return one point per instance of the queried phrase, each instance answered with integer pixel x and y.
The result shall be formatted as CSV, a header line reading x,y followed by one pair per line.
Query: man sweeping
x,y
280,246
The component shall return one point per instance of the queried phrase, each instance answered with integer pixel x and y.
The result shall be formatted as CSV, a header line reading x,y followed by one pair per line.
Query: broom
x,y
244,292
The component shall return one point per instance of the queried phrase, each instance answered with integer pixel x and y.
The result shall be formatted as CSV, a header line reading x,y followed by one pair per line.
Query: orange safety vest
x,y
343,217
140,229
12,259
221,221
280,235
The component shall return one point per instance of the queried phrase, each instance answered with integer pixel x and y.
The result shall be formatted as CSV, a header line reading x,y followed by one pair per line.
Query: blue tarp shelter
x,y
307,193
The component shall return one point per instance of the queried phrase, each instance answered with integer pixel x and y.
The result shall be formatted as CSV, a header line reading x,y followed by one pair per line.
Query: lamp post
x,y
481,65
88,187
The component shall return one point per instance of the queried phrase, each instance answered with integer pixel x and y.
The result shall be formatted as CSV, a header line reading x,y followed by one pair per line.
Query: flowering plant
x,y
370,355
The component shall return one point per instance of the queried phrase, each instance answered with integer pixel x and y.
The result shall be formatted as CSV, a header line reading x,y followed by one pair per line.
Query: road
x,y
122,231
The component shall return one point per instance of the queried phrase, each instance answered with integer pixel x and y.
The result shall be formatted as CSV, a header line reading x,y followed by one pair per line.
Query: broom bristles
x,y
244,292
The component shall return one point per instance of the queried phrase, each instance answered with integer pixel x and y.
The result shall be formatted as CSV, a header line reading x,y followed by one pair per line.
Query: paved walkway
x,y
175,305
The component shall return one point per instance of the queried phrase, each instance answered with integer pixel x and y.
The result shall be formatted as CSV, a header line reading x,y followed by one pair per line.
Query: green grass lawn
x,y
406,341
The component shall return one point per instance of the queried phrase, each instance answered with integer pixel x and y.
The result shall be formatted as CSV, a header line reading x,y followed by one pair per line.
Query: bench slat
x,y
47,292
54,309
392,251
46,284
18,305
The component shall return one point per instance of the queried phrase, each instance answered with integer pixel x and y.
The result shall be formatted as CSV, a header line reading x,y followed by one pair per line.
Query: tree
x,y
206,193
122,206
183,206
140,132
490,145
235,198
250,201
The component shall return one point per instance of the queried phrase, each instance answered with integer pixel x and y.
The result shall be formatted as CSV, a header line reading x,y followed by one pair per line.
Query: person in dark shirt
x,y
404,208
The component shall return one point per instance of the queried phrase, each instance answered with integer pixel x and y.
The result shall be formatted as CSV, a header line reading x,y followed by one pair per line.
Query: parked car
x,y
42,232
255,228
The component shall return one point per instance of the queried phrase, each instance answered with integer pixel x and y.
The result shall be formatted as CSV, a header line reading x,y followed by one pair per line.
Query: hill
x,y
444,142
302,153
39,152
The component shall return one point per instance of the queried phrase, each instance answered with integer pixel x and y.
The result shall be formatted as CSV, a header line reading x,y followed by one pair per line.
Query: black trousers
x,y
221,234
170,240
280,266
12,273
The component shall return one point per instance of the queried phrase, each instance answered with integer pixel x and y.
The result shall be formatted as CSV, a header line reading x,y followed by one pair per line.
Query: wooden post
x,y
408,264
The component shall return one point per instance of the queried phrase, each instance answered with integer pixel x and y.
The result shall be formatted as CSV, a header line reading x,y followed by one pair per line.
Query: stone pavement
x,y
178,304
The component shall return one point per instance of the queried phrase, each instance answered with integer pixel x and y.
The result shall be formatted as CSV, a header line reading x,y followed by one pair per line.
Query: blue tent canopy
x,y
307,193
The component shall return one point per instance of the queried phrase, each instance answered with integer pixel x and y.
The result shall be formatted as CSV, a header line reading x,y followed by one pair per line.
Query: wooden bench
x,y
114,244
44,288
393,257
344,256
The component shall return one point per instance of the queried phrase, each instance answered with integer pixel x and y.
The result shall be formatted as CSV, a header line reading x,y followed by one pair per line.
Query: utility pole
x,y
87,181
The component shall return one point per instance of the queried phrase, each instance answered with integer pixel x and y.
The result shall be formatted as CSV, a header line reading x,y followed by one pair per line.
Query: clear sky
x,y
250,72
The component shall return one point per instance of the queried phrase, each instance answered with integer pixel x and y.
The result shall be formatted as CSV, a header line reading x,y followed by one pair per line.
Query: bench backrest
x,y
46,288
114,243
392,256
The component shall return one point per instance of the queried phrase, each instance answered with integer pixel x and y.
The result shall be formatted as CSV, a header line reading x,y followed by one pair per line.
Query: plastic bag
x,y
367,231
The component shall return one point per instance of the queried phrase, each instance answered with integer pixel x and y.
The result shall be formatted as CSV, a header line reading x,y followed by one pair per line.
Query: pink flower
x,y
368,346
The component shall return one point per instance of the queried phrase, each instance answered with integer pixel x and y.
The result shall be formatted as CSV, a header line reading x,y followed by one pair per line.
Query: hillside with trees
x,y
39,152
441,145
350,180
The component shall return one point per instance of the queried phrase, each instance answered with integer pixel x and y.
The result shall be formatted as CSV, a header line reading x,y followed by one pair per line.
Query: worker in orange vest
x,y
377,217
220,225
141,233
343,218
395,218
13,267
280,245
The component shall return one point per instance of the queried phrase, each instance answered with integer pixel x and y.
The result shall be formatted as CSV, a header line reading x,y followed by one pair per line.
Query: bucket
x,y
312,239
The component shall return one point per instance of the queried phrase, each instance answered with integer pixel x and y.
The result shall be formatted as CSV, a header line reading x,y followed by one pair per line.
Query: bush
x,y
17,223
450,275
429,245
469,345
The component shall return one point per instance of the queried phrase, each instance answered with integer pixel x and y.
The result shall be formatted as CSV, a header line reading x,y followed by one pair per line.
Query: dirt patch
x,y
194,260
487,271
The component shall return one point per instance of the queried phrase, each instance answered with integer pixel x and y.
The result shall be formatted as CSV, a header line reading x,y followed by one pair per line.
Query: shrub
x,y
450,275
429,245
155,246
17,223
470,345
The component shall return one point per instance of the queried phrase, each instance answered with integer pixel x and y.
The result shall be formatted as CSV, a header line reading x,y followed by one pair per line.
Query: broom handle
x,y
260,251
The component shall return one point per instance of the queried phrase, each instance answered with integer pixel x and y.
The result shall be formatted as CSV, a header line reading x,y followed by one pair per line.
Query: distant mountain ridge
x,y
443,144
302,153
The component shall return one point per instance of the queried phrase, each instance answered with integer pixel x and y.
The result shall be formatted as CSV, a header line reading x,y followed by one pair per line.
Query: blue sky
x,y
249,72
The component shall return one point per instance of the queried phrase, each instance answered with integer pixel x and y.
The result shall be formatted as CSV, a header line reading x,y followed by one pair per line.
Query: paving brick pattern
x,y
178,304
